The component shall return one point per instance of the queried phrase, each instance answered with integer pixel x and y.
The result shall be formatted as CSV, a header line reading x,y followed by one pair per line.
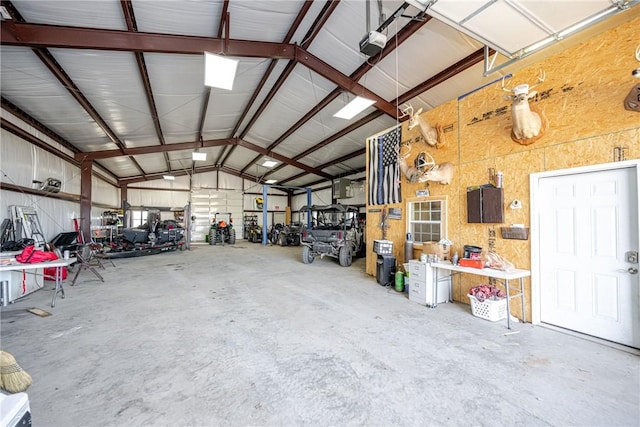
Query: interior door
x,y
588,227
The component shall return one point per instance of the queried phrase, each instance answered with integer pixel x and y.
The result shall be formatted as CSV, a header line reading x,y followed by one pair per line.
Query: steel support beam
x,y
86,168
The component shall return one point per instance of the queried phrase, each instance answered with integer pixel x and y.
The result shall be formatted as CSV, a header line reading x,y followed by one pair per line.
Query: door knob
x,y
632,270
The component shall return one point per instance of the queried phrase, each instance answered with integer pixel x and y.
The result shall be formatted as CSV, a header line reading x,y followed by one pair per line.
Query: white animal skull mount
x,y
442,173
430,134
632,101
527,125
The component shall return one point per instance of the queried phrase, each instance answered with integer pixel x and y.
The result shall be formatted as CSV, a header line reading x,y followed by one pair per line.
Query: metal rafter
x,y
41,35
353,126
25,117
37,35
341,159
308,38
400,37
105,154
50,62
130,19
449,72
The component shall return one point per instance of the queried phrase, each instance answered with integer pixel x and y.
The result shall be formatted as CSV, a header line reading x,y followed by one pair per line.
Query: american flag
x,y
384,171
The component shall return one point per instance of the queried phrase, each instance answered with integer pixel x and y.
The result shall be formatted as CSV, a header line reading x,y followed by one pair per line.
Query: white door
x,y
588,223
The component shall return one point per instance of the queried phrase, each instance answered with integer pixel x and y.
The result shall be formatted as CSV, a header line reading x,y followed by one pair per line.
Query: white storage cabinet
x,y
421,284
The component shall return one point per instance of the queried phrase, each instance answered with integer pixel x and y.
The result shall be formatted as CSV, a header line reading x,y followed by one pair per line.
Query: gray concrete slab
x,y
249,335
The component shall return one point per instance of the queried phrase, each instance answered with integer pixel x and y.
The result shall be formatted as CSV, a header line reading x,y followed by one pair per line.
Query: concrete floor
x,y
249,335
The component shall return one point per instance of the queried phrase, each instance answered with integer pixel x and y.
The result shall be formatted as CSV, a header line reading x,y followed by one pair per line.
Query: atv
x,y
273,234
252,231
336,232
222,231
290,235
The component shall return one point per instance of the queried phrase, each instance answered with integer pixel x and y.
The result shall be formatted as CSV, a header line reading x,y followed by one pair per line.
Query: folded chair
x,y
85,256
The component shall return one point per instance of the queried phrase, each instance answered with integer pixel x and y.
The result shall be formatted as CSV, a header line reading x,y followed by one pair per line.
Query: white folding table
x,y
14,265
504,276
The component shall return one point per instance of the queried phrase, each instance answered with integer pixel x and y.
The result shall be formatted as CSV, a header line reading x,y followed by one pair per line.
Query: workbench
x,y
504,276
13,265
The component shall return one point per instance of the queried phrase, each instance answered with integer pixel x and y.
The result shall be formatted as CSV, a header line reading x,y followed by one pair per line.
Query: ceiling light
x,y
356,106
219,71
269,163
420,4
169,177
4,13
196,155
271,181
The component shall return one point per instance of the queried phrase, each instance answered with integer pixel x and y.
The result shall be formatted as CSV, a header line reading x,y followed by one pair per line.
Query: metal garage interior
x,y
244,335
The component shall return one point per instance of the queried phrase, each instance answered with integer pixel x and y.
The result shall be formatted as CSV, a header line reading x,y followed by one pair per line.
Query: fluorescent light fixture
x,y
169,177
4,13
269,163
196,155
271,181
358,105
420,4
219,71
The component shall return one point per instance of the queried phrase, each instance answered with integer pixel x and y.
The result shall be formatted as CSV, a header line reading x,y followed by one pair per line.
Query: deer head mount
x,y
425,168
527,125
632,101
430,134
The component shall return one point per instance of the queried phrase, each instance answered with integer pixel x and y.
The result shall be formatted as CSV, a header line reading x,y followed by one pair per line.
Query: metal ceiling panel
x,y
194,18
241,156
270,81
458,85
264,21
338,42
522,23
431,49
347,166
27,82
302,90
178,86
225,107
336,150
307,21
113,85
181,160
320,127
117,97
304,182
284,173
105,14
343,145
151,163
121,167
515,31
559,15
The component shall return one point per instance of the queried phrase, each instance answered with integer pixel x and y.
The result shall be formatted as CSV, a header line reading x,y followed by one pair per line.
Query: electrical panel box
x,y
342,188
485,205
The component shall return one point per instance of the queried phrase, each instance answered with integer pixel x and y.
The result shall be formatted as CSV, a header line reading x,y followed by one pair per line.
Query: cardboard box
x,y
443,251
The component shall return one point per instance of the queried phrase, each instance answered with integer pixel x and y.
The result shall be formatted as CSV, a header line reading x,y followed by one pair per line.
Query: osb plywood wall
x,y
581,102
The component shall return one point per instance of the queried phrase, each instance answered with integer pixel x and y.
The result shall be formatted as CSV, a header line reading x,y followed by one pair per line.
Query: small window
x,y
427,219
138,218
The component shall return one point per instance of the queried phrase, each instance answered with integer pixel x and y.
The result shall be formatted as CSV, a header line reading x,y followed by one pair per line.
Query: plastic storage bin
x,y
383,247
